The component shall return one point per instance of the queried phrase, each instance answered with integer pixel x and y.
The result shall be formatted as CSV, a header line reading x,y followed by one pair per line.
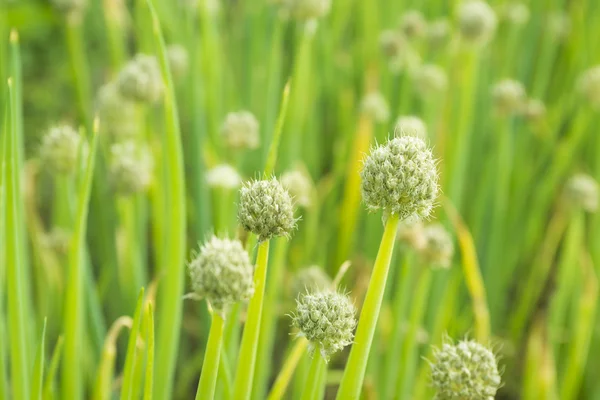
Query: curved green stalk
x,y
210,366
312,389
244,375
356,366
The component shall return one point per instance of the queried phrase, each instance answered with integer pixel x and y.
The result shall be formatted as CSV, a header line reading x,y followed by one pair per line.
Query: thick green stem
x,y
354,373
247,358
312,389
285,374
210,366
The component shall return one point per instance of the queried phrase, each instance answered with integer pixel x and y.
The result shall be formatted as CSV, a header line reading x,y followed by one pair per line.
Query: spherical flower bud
x,y
559,25
588,86
376,107
508,96
140,80
410,232
59,150
413,24
130,168
438,33
298,183
392,43
221,273
117,115
326,319
401,178
178,60
476,21
240,130
467,370
223,176
430,81
515,13
310,279
306,9
266,209
439,248
409,125
582,191
534,110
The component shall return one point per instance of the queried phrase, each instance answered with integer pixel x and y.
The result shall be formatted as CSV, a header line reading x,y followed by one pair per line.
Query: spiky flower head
x,y
117,115
439,248
477,22
430,80
140,80
266,209
588,86
299,185
582,191
375,105
178,60
130,168
310,279
466,370
410,125
240,130
438,33
306,9
401,178
223,176
326,319
534,110
59,150
413,24
221,272
508,96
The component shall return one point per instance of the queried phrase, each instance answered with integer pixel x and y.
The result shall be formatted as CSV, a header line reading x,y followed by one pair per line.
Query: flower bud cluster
x,y
413,25
178,60
410,125
438,248
223,176
240,130
509,97
375,106
310,279
476,21
582,191
140,80
117,115
130,168
430,81
300,186
59,150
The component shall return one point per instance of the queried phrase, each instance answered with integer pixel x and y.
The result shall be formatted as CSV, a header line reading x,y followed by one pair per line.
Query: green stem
x,y
286,372
247,358
354,373
210,366
312,389
79,66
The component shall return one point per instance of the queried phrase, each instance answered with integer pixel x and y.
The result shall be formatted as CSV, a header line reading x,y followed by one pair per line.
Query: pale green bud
x,y
326,319
130,168
221,272
476,21
240,130
266,209
223,176
140,80
117,115
588,86
310,279
59,150
392,43
410,125
439,247
178,60
509,97
300,186
401,178
430,81
375,105
413,25
467,370
582,191
438,33
534,110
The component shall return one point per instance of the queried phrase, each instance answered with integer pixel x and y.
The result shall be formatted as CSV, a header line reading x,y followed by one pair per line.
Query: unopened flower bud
x,y
582,191
130,168
392,43
588,86
476,21
117,115
515,13
326,319
534,110
140,80
438,33
401,178
299,185
467,370
411,233
376,107
223,176
439,248
178,60
409,125
430,81
413,25
59,150
310,279
508,96
266,209
222,273
240,130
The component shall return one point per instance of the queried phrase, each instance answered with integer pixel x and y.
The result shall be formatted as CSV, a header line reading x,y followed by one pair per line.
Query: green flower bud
x,y
430,81
439,248
266,209
401,178
534,110
117,115
413,25
70,7
178,60
588,86
559,25
515,13
582,191
410,232
476,21
298,183
376,107
59,150
223,176
392,43
140,80
466,370
306,9
130,168
326,319
221,273
409,125
508,96
240,130
438,33
310,279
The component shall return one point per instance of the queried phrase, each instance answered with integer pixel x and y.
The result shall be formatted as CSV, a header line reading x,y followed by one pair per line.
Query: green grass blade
x,y
17,318
38,368
149,353
3,333
132,348
72,377
51,375
171,291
